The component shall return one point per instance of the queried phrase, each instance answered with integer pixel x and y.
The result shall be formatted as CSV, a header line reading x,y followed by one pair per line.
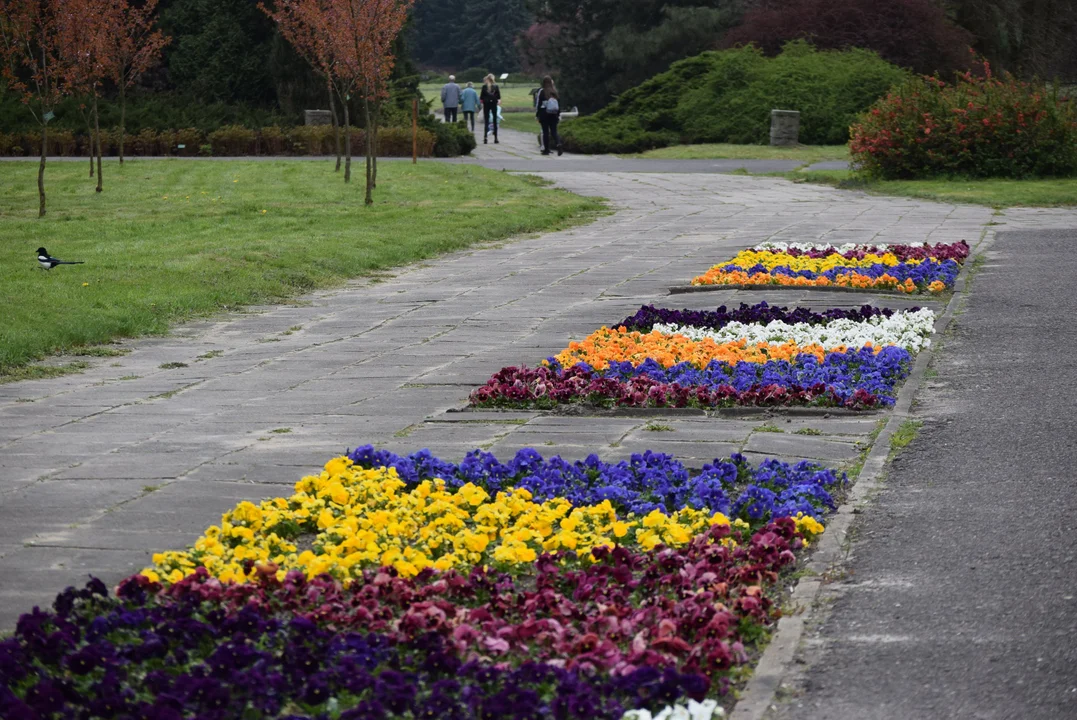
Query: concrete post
x,y
317,117
784,127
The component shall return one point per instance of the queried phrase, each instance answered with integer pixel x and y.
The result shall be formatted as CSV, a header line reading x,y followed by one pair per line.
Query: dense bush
x,y
161,111
727,96
230,141
472,74
452,140
909,33
978,126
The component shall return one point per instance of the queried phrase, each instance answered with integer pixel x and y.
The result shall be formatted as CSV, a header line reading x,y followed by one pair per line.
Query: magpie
x,y
48,262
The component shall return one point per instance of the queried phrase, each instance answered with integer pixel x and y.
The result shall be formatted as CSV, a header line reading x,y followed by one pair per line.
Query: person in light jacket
x,y
491,98
450,98
469,103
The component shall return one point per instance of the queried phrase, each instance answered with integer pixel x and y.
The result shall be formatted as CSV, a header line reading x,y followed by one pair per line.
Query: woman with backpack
x,y
548,112
490,97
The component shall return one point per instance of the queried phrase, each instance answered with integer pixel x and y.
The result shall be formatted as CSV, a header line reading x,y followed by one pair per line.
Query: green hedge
x,y
234,140
726,97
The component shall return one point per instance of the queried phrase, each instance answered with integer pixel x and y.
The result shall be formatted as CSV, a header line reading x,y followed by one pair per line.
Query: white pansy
x,y
906,329
706,710
840,249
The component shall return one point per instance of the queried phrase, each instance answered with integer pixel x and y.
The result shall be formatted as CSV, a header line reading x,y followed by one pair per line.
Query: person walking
x,y
491,99
469,103
450,99
548,113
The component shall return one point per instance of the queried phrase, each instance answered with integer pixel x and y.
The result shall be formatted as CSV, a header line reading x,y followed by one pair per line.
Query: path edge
x,y
759,696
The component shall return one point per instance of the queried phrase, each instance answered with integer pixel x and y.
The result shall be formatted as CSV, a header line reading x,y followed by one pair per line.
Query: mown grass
x,y
522,121
999,193
175,239
512,96
807,154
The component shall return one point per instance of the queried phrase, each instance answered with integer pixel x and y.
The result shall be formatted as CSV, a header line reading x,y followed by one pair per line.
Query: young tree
x,y
303,26
79,28
30,52
128,46
349,41
386,18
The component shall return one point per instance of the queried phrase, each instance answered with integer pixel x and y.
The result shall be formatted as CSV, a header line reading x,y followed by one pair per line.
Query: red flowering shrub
x,y
981,125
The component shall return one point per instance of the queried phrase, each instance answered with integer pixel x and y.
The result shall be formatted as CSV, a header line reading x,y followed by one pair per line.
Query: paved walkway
x,y
960,599
100,469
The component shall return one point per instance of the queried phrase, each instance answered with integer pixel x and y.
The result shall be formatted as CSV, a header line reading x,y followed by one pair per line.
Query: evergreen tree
x,y
460,34
221,50
604,47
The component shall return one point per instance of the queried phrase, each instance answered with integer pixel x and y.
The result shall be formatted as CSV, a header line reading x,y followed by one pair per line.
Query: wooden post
x,y
414,130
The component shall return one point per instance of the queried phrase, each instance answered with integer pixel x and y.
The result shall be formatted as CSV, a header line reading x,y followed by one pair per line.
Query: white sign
x,y
181,146
504,75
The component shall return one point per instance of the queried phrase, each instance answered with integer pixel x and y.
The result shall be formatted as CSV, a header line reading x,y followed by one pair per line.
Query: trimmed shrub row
x,y
231,140
727,96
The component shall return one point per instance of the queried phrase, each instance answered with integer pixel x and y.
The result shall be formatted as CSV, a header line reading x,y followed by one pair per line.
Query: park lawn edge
x,y
991,192
24,232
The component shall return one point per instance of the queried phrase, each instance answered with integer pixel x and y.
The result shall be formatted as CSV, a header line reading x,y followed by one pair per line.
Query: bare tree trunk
x,y
97,135
336,123
347,146
369,200
123,116
374,155
41,171
89,134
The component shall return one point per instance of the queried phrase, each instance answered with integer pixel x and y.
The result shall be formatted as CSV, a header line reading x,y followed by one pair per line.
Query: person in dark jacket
x,y
490,97
548,113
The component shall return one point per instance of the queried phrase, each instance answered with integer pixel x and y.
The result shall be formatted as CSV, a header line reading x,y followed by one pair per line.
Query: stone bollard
x,y
784,127
317,117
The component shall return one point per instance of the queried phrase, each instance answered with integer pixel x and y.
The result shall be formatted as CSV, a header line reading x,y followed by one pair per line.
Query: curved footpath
x,y
100,469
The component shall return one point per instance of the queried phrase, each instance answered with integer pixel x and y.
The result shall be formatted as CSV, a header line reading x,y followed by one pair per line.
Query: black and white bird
x,y
48,262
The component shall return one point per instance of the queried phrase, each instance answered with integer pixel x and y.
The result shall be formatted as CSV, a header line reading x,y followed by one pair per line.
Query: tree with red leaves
x,y
348,41
914,34
128,46
302,26
79,27
386,17
33,67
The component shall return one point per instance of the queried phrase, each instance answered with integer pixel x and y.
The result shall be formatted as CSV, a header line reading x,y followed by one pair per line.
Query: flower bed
x,y
375,509
758,355
901,268
618,628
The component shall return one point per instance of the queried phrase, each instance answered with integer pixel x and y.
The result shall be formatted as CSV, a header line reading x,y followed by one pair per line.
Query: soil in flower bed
x,y
909,269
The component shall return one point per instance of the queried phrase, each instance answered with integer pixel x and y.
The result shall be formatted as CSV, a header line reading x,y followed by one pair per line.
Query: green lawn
x,y
512,96
724,151
174,239
522,121
993,192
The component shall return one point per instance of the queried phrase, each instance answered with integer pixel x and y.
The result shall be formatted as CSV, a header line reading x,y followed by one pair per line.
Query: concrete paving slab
x,y
831,450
